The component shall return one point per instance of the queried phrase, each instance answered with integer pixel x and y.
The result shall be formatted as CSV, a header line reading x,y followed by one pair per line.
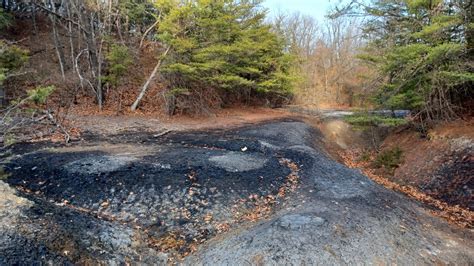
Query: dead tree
x,y
149,80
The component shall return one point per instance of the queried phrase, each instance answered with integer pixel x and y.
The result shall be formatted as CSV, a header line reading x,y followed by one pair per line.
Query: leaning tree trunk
x,y
146,33
149,80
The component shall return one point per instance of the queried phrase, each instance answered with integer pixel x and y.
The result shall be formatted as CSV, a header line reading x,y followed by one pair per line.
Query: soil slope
x,y
440,164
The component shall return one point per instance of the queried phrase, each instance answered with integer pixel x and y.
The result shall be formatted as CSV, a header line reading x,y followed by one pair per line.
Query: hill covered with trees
x,y
194,57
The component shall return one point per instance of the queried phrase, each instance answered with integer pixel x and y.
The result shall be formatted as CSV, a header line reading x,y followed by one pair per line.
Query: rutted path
x,y
264,193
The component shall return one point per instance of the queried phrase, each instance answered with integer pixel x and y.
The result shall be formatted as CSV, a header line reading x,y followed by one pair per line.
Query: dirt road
x,y
261,194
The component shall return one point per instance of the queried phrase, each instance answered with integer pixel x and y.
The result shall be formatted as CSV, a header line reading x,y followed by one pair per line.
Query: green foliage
x,y
365,156
364,120
136,12
223,45
177,91
40,94
5,19
8,140
12,58
389,159
420,48
3,174
119,59
416,6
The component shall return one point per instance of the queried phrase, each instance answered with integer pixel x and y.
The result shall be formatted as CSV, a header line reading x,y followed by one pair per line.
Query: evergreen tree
x,y
4,19
222,45
12,57
421,49
118,59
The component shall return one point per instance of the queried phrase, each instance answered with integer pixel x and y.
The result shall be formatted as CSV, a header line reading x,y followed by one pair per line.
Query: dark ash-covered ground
x,y
264,193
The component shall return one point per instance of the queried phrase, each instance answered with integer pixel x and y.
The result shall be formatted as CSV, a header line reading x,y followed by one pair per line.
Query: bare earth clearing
x,y
258,193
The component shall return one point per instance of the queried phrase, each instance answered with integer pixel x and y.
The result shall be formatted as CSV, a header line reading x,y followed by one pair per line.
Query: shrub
x,y
5,19
389,159
364,120
40,94
12,58
119,59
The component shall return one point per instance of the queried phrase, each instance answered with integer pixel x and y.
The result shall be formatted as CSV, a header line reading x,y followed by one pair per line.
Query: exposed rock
x,y
97,164
238,162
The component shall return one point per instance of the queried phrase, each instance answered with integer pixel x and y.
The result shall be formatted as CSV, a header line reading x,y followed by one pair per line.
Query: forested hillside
x,y
194,57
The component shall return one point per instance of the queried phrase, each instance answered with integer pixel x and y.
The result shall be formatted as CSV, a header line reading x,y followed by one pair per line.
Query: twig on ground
x,y
67,137
162,133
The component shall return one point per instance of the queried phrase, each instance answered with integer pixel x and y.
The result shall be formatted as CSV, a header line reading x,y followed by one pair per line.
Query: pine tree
x,y
118,59
5,19
225,47
420,48
12,57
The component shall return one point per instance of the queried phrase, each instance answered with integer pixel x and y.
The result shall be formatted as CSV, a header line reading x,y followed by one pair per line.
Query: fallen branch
x,y
162,133
67,137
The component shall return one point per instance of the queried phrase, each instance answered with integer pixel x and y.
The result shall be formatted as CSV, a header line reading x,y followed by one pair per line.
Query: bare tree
x,y
327,56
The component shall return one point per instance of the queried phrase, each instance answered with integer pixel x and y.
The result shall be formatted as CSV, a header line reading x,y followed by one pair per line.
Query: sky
x,y
315,8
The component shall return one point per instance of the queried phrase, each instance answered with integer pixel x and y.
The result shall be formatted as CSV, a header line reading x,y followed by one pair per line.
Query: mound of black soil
x,y
178,191
453,182
261,194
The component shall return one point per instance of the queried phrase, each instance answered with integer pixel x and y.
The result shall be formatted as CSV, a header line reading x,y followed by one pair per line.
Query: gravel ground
x,y
210,197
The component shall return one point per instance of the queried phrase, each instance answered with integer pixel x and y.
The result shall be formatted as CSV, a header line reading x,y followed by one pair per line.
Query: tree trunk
x,y
3,101
57,46
33,19
146,33
88,23
149,80
70,33
100,92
